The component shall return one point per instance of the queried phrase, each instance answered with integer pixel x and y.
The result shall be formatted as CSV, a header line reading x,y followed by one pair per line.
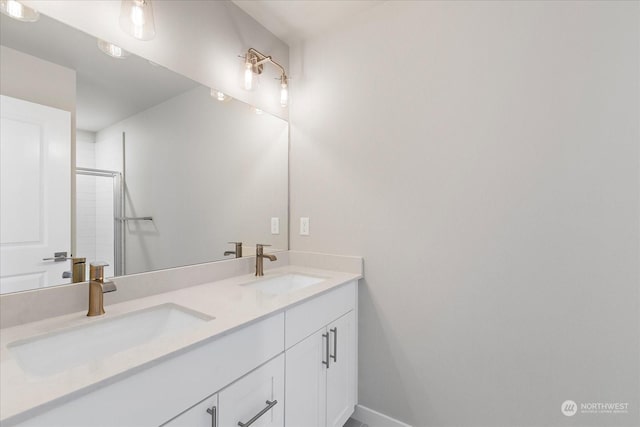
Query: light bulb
x,y
17,10
284,95
248,76
14,9
136,19
112,49
259,111
137,15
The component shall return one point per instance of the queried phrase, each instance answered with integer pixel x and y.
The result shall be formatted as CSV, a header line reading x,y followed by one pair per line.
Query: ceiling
x,y
107,89
292,21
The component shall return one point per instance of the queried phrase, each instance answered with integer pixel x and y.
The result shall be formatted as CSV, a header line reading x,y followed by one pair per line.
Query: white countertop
x,y
232,305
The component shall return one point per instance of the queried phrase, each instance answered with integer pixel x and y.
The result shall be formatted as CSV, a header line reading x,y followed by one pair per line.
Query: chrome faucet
x,y
260,256
98,287
237,252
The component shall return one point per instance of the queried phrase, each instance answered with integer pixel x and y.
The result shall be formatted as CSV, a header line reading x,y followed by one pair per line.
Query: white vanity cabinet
x,y
320,388
296,367
256,399
341,379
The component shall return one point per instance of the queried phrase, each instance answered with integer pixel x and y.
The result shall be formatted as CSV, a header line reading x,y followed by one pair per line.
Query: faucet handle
x,y
262,245
99,264
96,270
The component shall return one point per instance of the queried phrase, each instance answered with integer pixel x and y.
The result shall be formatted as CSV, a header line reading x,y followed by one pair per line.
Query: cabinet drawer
x,y
204,414
306,318
256,399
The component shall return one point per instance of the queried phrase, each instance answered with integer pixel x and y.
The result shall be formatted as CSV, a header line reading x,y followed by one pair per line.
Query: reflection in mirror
x,y
121,160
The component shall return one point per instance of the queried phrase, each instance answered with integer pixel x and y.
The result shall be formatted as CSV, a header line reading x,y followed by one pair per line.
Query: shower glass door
x,y
98,218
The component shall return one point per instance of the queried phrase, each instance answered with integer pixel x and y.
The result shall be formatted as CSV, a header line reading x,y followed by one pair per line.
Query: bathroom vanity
x,y
243,350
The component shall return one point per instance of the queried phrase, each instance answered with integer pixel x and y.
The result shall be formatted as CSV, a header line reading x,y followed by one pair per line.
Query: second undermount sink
x,y
61,350
284,284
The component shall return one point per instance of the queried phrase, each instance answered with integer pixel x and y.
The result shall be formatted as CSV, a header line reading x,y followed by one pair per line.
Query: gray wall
x,y
208,172
483,158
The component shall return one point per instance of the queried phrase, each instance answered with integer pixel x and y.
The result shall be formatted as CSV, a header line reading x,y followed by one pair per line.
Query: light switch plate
x,y
275,225
304,226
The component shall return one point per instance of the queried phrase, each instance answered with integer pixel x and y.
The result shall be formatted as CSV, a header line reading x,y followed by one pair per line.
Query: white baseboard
x,y
375,419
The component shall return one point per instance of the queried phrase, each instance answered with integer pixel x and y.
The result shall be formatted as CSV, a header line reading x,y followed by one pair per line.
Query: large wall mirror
x,y
124,161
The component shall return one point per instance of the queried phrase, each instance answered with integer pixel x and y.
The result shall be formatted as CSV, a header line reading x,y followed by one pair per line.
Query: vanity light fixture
x,y
112,50
136,19
17,10
254,64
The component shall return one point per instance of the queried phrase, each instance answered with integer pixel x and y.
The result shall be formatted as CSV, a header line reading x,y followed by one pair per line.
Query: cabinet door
x,y
341,381
204,414
258,396
306,382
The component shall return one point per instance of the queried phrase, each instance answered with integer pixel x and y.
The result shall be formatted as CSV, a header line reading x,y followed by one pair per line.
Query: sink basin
x,y
284,284
65,349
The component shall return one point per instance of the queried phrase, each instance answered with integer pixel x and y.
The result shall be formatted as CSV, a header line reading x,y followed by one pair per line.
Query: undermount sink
x,y
61,350
284,284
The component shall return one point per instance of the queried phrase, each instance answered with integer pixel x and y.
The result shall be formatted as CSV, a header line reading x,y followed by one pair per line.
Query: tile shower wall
x,y
85,197
86,217
94,207
104,231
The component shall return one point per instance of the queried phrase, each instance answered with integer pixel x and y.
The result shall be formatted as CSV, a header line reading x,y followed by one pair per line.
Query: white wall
x,y
198,39
207,172
85,149
483,158
33,79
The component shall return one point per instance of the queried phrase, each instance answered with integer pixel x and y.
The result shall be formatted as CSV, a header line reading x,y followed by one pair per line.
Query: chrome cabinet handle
x,y
335,344
270,404
326,362
213,411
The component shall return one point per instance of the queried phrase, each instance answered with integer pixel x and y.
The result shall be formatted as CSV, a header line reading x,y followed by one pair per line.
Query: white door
x,y
256,399
35,194
341,373
306,382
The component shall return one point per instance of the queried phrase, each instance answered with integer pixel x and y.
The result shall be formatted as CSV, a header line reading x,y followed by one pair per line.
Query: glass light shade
x,y
259,111
17,10
112,49
248,76
136,19
284,95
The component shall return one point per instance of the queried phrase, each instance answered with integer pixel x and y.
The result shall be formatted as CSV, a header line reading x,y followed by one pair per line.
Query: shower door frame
x,y
118,205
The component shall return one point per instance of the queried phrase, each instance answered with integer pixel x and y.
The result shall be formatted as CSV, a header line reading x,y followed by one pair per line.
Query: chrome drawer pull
x,y
213,410
326,362
335,344
270,404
